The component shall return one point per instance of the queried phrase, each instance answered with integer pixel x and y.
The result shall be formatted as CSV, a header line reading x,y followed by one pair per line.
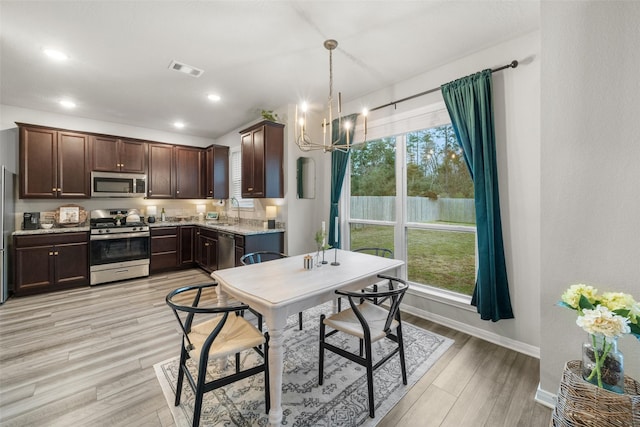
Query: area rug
x,y
340,401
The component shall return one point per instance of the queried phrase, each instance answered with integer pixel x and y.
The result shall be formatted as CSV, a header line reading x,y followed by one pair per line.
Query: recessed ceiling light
x,y
67,103
213,97
55,54
178,125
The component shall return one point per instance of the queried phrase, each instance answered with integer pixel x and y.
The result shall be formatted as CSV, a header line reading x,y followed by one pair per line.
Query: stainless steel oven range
x,y
119,249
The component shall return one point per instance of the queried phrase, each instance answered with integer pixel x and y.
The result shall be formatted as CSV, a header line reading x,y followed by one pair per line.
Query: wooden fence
x,y
419,209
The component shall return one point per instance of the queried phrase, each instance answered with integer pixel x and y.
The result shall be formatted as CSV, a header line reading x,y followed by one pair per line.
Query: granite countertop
x,y
244,229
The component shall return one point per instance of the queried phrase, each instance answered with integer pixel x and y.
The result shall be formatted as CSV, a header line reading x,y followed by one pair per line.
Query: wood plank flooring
x,y
85,357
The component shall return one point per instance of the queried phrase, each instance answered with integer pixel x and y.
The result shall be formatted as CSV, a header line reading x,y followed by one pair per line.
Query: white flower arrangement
x,y
611,314
608,316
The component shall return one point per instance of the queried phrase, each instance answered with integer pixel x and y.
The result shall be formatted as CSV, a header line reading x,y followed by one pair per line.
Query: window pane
x,y
373,180
371,236
436,169
444,259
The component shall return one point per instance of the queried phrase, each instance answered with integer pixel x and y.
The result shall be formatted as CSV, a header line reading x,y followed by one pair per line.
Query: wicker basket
x,y
582,404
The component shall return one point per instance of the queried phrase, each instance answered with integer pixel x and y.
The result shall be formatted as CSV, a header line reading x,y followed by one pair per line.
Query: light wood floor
x,y
85,358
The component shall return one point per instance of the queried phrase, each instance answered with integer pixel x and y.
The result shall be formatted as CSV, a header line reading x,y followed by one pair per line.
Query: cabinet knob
x,y
56,253
177,191
250,188
50,253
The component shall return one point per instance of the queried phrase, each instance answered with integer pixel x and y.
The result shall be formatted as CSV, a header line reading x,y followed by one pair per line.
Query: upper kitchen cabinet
x,y
54,163
217,172
112,154
160,176
262,148
188,172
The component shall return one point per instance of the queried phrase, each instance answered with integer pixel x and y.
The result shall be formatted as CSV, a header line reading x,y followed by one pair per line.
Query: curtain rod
x,y
513,64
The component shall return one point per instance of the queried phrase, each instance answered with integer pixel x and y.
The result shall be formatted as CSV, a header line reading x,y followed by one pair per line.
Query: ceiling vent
x,y
184,68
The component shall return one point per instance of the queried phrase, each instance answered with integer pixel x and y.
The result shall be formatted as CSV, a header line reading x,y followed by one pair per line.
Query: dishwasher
x,y
226,250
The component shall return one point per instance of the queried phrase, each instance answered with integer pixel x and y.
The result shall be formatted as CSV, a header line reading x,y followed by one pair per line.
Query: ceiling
x,y
255,54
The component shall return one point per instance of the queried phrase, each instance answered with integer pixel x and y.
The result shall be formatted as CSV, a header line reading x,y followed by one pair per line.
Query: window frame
x,y
400,125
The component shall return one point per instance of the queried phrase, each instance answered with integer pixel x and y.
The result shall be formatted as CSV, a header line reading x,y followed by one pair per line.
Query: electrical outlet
x,y
219,202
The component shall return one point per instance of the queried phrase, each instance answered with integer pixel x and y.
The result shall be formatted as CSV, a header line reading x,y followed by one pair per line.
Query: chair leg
x,y
321,356
403,366
183,357
300,320
199,391
369,358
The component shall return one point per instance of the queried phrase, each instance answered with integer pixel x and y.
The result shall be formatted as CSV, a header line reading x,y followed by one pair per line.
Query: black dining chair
x,y
369,322
263,256
215,338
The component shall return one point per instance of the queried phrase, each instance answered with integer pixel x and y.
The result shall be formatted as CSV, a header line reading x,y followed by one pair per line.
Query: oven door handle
x,y
119,236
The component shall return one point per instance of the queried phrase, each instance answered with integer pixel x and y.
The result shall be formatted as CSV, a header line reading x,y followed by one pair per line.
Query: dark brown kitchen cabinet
x,y
50,262
217,172
111,154
262,149
160,177
207,249
164,248
53,163
187,245
189,164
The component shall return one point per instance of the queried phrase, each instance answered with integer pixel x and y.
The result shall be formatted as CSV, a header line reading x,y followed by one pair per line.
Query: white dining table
x,y
283,287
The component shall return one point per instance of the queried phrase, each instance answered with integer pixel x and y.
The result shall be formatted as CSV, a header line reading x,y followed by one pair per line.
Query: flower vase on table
x,y
603,363
605,317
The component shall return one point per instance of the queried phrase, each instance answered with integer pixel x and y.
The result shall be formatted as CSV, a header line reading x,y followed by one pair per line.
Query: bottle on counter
x,y
162,215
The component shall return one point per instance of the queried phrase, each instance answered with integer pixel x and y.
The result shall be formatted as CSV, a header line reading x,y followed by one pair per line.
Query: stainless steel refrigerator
x,y
7,226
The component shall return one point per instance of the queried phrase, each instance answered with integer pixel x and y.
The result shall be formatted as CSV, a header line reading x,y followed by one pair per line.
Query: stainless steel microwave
x,y
114,184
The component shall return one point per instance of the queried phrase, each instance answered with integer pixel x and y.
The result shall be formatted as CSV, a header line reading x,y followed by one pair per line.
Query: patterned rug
x,y
340,401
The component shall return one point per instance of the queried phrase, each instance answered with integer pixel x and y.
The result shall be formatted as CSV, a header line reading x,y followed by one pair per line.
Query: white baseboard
x,y
545,398
509,343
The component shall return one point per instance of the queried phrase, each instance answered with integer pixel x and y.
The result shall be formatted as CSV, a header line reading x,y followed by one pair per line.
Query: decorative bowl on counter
x,y
46,226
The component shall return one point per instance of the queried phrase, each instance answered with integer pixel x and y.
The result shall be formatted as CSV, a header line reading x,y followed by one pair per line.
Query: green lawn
x,y
438,258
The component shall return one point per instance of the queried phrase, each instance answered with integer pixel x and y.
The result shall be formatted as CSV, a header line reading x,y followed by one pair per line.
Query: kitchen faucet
x,y
233,199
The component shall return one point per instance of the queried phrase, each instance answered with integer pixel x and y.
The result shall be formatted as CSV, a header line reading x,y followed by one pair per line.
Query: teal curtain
x,y
470,105
339,163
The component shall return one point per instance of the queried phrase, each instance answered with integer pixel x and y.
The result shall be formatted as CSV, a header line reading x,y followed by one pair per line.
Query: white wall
x,y
590,176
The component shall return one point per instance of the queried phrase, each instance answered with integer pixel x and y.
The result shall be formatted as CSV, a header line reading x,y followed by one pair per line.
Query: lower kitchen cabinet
x,y
207,249
187,245
164,248
172,247
48,262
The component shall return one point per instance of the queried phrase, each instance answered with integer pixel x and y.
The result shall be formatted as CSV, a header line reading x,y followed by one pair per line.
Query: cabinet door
x,y
133,155
71,264
74,169
105,154
33,269
189,163
187,245
160,171
217,172
253,163
207,253
38,163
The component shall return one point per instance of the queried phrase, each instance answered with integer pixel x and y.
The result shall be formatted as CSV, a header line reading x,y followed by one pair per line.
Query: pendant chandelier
x,y
328,144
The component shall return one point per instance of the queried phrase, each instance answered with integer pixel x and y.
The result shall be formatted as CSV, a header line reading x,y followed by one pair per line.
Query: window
x,y
236,180
412,193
